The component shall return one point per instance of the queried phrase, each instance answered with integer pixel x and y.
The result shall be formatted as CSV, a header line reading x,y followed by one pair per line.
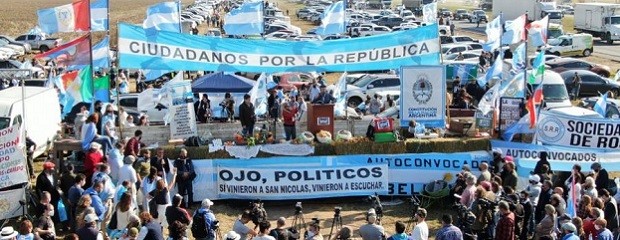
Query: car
x,y
478,15
592,84
461,14
130,103
547,58
369,85
12,64
389,21
336,37
39,42
454,48
289,80
613,106
560,65
446,14
10,40
369,31
467,55
214,32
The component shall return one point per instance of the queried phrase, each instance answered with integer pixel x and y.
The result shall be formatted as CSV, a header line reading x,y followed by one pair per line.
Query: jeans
x,y
290,132
248,130
106,143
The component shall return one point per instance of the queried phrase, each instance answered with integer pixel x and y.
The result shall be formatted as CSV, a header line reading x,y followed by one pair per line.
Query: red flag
x,y
535,99
72,55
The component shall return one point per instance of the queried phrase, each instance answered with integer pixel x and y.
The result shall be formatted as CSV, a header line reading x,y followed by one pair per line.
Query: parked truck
x,y
537,9
599,19
39,42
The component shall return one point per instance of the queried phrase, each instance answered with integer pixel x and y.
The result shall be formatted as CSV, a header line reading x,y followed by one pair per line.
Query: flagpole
x,y
179,14
90,56
525,57
501,36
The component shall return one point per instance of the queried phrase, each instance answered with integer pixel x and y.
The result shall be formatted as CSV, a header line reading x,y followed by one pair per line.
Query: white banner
x,y
275,183
12,159
562,130
9,203
423,95
183,124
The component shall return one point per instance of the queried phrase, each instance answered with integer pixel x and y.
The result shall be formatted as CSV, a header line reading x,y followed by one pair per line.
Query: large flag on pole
x,y
101,54
72,55
601,105
340,94
245,20
518,58
535,99
429,12
517,27
495,70
537,31
75,87
163,17
494,32
72,17
99,15
258,95
332,21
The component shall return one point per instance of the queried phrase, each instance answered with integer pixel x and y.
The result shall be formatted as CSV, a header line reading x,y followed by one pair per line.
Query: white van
x,y
42,115
554,90
570,45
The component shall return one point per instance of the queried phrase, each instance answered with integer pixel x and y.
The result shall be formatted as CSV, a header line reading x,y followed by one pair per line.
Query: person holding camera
x,y
240,226
420,231
371,230
345,233
263,234
204,222
314,232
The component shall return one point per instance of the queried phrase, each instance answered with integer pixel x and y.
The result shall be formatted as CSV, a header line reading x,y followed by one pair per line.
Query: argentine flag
x,y
601,105
332,21
245,20
494,71
494,32
258,95
99,15
101,54
340,94
163,17
429,12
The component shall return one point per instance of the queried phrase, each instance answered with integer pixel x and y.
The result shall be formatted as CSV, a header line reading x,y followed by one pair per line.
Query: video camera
x,y
257,212
215,225
298,208
315,221
337,211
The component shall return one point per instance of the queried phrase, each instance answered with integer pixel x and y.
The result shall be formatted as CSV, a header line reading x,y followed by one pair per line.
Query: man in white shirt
x,y
420,231
240,226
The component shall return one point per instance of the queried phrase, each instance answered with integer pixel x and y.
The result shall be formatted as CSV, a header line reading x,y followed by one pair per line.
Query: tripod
x,y
415,205
336,221
299,219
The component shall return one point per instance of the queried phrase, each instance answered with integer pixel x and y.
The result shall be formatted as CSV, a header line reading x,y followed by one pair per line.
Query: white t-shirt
x,y
241,229
127,173
420,232
264,237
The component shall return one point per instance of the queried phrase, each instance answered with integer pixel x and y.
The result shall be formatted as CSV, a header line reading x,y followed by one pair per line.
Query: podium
x,y
321,117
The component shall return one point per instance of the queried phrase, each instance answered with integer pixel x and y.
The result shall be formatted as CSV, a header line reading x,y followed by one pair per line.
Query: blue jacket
x,y
97,204
570,236
605,235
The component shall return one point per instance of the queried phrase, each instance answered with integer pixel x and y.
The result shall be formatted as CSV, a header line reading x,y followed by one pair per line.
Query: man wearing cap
x,y
247,116
569,231
93,158
324,97
89,230
602,177
209,219
371,230
8,233
47,182
232,235
534,189
420,231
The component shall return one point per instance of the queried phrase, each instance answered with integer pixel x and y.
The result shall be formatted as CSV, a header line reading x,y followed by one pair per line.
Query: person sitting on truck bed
x,y
89,135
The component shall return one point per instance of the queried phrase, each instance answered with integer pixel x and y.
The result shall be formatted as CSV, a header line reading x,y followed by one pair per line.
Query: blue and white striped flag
x,y
163,17
518,58
463,72
494,71
245,20
258,95
522,126
601,105
101,54
332,21
99,15
429,12
494,32
340,94
151,75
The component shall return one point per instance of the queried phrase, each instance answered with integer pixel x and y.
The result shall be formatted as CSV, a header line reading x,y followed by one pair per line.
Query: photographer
x,y
420,231
240,228
371,231
483,210
345,233
264,231
314,232
282,233
204,222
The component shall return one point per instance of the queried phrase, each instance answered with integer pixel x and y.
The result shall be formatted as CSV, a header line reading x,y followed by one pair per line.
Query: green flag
x,y
538,67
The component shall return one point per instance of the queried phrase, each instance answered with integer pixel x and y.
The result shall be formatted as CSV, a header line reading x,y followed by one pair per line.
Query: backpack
x,y
199,229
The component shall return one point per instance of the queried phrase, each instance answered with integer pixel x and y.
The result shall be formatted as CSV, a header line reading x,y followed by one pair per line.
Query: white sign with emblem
x,y
582,132
423,95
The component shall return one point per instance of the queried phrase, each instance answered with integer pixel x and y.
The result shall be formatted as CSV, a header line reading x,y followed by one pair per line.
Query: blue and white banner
x,y
245,20
423,95
590,133
176,51
327,176
101,54
560,158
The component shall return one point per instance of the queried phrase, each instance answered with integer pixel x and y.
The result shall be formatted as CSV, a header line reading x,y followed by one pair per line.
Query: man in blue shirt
x,y
97,204
74,195
448,231
209,219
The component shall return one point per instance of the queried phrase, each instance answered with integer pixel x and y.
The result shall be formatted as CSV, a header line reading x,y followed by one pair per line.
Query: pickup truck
x,y
39,42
